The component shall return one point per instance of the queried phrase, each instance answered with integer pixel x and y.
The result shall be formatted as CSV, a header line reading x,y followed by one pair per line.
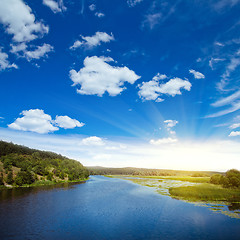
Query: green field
x,y
205,192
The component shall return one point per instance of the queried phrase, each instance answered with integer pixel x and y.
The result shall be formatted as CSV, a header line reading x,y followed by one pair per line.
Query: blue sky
x,y
123,82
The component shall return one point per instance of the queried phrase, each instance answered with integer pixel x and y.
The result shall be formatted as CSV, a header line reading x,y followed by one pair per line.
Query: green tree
x,y
10,178
216,179
24,177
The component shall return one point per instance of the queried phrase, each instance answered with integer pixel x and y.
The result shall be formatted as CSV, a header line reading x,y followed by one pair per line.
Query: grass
x,y
189,179
205,192
177,178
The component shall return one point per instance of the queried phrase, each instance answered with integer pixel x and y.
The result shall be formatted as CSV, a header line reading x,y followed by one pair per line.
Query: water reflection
x,y
14,193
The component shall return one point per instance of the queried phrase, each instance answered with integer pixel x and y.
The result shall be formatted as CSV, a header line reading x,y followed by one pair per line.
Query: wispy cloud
x,y
133,3
209,155
235,106
227,100
55,6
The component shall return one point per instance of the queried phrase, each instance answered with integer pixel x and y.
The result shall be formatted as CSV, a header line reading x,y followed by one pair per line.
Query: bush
x,y
216,179
10,178
24,177
230,180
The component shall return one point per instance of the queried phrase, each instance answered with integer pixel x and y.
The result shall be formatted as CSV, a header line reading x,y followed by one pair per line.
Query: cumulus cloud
x,y
163,141
4,63
19,21
55,6
93,141
196,74
234,134
93,41
67,122
98,77
35,120
153,89
133,3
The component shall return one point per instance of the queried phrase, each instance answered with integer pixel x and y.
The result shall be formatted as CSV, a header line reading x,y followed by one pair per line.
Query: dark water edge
x,y
106,208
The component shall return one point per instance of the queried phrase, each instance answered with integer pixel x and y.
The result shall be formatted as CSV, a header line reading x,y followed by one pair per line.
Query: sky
x,y
123,83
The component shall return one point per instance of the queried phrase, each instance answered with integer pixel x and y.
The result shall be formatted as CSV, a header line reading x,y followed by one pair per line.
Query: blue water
x,y
107,208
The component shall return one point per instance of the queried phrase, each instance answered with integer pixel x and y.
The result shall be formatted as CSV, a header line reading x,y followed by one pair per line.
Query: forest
x,y
147,172
23,166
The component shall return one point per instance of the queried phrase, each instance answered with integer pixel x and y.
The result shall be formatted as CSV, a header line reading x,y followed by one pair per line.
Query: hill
x,y
96,170
20,165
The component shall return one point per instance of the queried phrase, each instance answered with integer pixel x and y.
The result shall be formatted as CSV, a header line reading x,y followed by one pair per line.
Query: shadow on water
x,y
14,193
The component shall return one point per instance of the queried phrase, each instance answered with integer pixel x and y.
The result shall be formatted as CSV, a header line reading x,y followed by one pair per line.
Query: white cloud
x,y
212,61
133,3
34,120
227,100
235,106
67,122
92,7
93,141
4,63
22,50
99,14
234,126
151,20
196,74
234,134
19,21
230,68
232,100
39,52
153,89
55,6
207,155
93,41
163,141
98,77
170,123
18,48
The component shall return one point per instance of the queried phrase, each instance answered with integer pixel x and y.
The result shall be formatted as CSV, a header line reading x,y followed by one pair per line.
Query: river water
x,y
107,208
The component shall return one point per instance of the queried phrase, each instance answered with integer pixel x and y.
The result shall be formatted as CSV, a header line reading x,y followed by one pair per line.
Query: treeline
x,y
21,165
231,179
146,172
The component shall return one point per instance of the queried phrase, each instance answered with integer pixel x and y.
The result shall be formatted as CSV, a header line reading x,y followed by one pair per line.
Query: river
x,y
107,208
